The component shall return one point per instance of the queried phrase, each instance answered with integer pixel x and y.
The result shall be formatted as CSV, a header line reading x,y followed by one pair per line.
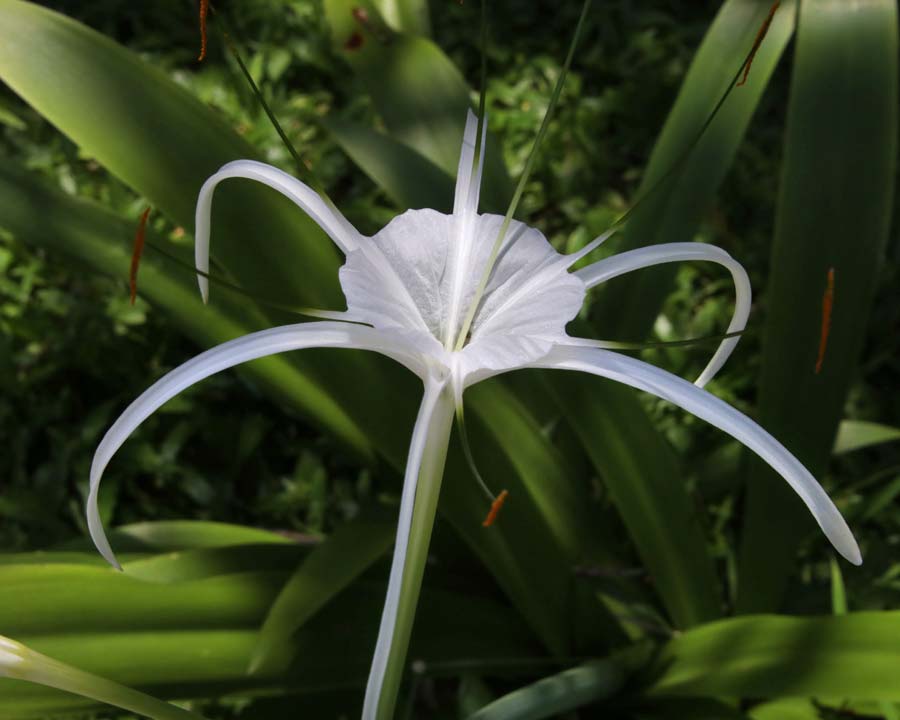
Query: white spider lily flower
x,y
408,289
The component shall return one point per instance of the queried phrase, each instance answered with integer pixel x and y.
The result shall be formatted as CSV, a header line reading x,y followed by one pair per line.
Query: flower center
x,y
424,276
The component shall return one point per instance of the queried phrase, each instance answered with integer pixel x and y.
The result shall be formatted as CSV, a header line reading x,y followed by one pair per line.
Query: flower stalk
x,y
428,490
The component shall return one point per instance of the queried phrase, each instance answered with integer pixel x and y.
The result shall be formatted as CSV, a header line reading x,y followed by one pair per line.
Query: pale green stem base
x,y
425,509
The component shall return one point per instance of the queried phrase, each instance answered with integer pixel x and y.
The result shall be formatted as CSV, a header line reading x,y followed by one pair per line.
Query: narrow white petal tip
x,y
204,290
95,528
850,550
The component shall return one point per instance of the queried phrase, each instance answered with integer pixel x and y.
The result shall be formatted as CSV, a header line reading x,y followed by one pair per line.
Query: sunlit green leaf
x,y
857,434
847,656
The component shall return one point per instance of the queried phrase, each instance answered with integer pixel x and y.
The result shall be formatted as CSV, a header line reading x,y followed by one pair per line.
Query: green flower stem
x,y
22,663
424,511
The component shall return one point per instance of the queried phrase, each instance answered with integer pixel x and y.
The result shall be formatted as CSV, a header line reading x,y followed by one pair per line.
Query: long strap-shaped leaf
x,y
833,217
848,656
629,305
557,694
641,473
418,91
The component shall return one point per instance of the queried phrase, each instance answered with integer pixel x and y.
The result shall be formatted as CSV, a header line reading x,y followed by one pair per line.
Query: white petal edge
x,y
708,407
221,357
625,262
433,390
322,211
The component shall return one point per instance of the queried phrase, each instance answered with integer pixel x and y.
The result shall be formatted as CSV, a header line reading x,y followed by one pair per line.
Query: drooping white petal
x,y
706,406
320,210
678,252
226,355
433,390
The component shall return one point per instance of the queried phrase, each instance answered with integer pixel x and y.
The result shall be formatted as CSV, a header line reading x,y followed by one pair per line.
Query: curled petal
x,y
226,355
320,210
431,402
698,402
677,252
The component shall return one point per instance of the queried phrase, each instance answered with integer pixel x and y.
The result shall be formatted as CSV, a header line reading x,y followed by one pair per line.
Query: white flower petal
x,y
395,282
698,402
320,210
229,354
677,252
433,390
468,176
457,262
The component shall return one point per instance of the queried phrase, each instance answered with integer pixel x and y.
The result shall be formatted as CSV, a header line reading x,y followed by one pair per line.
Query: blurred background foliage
x,y
73,351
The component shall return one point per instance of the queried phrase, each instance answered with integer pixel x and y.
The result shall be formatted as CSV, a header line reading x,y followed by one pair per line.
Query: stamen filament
x,y
760,36
294,310
523,180
304,168
204,11
616,345
467,452
827,305
136,253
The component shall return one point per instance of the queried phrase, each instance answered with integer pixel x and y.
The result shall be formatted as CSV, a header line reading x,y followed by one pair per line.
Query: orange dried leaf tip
x,y
760,36
204,11
495,509
136,253
827,305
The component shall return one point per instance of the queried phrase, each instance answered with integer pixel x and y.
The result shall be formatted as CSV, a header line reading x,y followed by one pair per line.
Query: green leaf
x,y
556,694
37,214
838,590
212,562
846,656
327,570
194,639
168,535
641,473
834,213
792,709
417,91
407,177
24,663
857,434
409,16
629,305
